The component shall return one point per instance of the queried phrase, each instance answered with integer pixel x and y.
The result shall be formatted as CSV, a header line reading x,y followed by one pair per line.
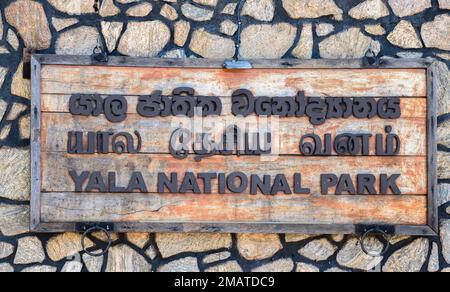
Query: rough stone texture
x,y
6,249
318,250
13,40
209,45
93,264
263,10
3,72
188,264
122,258
445,240
29,251
444,4
212,3
433,265
352,256
404,8
79,41
267,41
375,29
181,33
436,34
62,23
296,237
111,32
175,54
443,89
196,13
228,27
20,86
306,268
324,29
228,267
6,268
108,8
230,9
169,12
144,39
443,191
304,48
29,18
410,258
170,244
140,10
312,9
65,245
282,265
40,269
351,43
405,36
74,7
72,267
212,258
15,219
258,246
138,239
15,163
370,9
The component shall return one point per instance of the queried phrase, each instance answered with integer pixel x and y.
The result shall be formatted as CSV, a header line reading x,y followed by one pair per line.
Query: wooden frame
x,y
39,60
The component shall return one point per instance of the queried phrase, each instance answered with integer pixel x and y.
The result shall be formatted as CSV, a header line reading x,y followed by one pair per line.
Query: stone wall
x,y
207,28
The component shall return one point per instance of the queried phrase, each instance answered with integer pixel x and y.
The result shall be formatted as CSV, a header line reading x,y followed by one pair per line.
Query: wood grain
x,y
156,132
63,79
70,207
55,168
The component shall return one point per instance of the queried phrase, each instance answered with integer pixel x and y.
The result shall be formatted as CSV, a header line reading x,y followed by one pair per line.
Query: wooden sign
x,y
288,146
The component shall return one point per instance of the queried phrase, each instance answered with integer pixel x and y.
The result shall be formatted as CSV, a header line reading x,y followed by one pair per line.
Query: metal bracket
x,y
382,231
89,228
363,229
371,60
83,227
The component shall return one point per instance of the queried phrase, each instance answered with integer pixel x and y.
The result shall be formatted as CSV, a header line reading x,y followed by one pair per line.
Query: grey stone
x,y
188,264
318,250
444,4
263,10
181,32
445,240
140,10
281,265
122,258
228,27
230,9
258,246
212,258
306,268
443,88
40,269
351,43
29,18
324,29
15,219
1,26
228,267
443,164
6,250
72,267
3,72
296,237
267,41
78,41
108,8
175,54
111,32
144,39
336,270
410,258
29,251
170,244
13,40
410,55
352,255
404,8
433,265
65,245
370,9
93,264
404,35
312,9
15,174
6,268
196,13
74,7
304,48
211,3
20,86
169,12
209,45
138,239
62,23
436,34
375,29
443,191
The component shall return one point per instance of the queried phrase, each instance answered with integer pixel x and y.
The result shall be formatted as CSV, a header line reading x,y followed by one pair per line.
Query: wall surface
x,y
207,28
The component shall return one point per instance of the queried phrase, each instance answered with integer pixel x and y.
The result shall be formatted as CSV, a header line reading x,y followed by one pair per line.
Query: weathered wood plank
x,y
411,107
70,207
156,132
57,165
59,79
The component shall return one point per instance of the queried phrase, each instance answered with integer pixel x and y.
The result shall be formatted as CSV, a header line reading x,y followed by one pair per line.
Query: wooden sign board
x,y
343,145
